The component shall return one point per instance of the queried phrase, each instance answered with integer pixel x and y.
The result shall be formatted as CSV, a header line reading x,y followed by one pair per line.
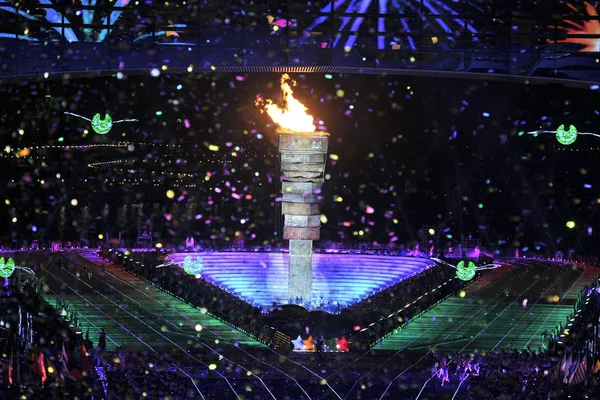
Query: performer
x,y
102,340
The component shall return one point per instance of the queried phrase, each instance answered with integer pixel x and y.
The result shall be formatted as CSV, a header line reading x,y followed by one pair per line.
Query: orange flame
x,y
591,27
293,115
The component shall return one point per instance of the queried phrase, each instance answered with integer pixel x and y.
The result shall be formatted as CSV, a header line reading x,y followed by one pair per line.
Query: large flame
x,y
591,27
293,115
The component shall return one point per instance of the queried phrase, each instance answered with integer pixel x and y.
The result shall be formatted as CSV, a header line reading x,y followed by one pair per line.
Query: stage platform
x,y
344,279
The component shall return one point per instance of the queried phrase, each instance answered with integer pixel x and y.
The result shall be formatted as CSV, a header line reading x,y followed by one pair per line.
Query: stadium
x,y
299,200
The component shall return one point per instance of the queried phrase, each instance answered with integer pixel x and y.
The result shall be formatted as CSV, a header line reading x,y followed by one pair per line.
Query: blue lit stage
x,y
262,278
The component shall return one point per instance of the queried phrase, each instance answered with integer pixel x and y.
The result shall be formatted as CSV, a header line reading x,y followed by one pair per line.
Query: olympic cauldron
x,y
303,157
303,152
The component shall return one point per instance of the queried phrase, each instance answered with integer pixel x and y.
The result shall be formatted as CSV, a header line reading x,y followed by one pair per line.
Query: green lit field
x,y
134,313
509,308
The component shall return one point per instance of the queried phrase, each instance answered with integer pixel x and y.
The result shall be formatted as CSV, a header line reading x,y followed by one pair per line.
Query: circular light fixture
x,y
466,273
193,267
102,126
7,269
566,137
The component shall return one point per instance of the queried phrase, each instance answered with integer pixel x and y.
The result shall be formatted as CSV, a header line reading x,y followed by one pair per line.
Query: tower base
x,y
300,275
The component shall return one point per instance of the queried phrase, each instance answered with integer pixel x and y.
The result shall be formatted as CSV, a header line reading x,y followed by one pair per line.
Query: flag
x,y
64,363
580,373
80,363
35,362
596,366
73,358
563,362
75,374
42,367
86,365
571,371
566,366
10,367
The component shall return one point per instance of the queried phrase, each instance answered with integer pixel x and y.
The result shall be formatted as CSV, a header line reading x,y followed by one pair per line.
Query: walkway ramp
x,y
133,312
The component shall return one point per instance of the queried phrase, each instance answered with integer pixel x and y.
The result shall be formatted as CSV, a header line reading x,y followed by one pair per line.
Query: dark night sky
x,y
420,151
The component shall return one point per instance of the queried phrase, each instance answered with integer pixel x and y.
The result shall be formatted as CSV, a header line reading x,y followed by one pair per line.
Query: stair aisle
x,y
551,313
94,312
430,328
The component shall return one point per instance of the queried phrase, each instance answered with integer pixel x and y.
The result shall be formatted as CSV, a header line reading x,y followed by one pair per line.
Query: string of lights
x,y
8,149
144,161
17,157
75,147
104,163
167,173
131,180
139,170
586,150
26,151
154,182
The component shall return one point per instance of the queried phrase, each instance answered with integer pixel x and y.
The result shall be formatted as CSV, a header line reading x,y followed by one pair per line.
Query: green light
x,y
480,205
7,269
102,126
566,137
466,273
159,113
193,267
570,224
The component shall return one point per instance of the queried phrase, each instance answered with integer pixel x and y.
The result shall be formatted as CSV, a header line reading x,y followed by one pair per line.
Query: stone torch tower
x,y
303,157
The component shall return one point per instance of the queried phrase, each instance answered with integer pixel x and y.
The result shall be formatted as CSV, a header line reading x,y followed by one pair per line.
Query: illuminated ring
x,y
7,269
192,267
566,137
102,126
466,273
